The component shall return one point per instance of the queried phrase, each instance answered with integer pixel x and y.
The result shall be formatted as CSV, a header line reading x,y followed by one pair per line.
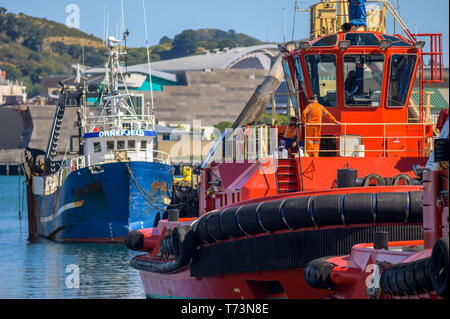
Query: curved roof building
x,y
210,87
254,57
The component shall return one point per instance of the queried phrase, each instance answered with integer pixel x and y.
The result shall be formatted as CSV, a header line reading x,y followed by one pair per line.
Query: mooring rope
x,y
144,194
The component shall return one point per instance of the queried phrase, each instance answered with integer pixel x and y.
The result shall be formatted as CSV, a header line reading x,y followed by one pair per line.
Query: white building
x,y
11,93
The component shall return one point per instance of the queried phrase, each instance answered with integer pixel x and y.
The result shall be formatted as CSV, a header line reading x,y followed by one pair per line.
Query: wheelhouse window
x,y
300,79
363,79
120,145
143,145
402,69
362,39
288,86
329,41
322,77
109,145
97,147
131,144
396,42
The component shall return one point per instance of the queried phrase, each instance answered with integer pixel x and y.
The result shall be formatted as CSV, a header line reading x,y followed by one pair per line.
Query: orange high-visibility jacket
x,y
289,131
313,114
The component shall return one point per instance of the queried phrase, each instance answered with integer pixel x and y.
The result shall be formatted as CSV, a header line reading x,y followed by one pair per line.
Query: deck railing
x,y
52,182
385,135
352,140
109,122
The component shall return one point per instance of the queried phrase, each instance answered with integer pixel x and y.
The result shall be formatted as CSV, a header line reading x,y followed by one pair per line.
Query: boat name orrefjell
x,y
121,133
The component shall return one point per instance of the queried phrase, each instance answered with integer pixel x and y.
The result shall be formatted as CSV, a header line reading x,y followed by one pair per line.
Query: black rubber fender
x,y
296,212
411,279
392,281
384,282
269,214
327,210
134,240
317,273
184,244
422,274
440,268
415,209
229,223
407,180
402,282
247,219
154,266
200,230
379,181
391,207
358,208
213,226
407,278
166,245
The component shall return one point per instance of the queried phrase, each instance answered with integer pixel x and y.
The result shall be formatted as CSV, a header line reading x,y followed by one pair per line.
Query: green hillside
x,y
33,47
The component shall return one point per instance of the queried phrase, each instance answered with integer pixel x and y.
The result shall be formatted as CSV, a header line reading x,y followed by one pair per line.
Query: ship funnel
x,y
357,13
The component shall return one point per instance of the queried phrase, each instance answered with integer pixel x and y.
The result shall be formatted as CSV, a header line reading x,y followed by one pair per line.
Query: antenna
x,y
293,23
104,25
284,26
122,27
149,65
107,27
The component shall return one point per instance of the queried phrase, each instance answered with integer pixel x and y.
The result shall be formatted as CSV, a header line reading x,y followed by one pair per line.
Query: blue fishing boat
x,y
118,181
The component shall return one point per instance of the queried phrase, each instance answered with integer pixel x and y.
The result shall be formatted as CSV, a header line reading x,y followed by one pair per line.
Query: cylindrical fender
x,y
440,268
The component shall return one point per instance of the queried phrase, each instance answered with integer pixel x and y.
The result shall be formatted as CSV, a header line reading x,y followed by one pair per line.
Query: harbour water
x,y
47,269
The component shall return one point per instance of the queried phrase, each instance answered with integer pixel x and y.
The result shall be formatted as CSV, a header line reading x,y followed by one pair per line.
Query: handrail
x,y
107,121
385,137
165,157
343,129
80,162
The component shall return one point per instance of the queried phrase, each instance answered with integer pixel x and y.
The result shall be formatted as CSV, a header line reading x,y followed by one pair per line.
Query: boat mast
x,y
149,67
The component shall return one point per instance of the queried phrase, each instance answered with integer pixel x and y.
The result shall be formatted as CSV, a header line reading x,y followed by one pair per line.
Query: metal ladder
x,y
287,176
50,153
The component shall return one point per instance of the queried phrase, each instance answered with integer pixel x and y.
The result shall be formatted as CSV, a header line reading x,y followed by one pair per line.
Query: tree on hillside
x,y
185,43
165,39
75,51
226,43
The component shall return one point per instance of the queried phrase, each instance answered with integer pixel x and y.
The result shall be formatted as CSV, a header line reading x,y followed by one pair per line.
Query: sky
x,y
261,19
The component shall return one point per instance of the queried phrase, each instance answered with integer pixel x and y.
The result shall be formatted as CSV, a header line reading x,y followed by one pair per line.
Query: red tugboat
x,y
263,219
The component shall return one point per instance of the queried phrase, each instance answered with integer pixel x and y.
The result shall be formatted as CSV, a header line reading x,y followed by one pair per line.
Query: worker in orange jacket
x,y
290,135
313,114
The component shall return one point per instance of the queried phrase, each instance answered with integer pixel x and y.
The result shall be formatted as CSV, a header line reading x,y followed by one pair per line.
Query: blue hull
x,y
103,205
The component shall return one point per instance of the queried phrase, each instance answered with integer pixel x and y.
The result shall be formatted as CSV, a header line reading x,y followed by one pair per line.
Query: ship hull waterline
x,y
102,204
